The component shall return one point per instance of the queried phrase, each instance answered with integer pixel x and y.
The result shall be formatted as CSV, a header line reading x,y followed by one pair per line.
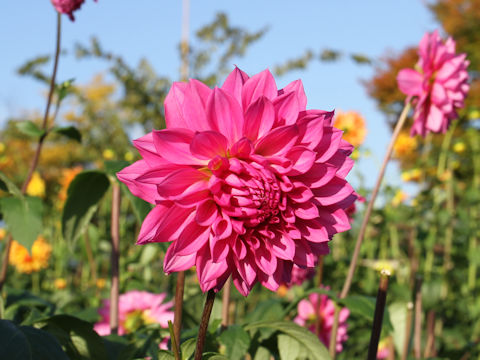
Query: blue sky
x,y
151,29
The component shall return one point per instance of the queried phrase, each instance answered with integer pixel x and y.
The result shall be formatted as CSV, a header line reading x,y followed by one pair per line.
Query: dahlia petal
x,y
242,149
300,194
208,144
283,246
194,194
311,125
335,191
306,210
247,269
410,82
154,176
287,109
225,115
129,176
259,118
234,83
319,175
434,119
342,163
151,223
206,213
147,150
176,262
305,309
174,106
296,87
180,180
174,145
222,227
332,138
192,238
304,255
240,284
194,106
302,160
261,84
278,141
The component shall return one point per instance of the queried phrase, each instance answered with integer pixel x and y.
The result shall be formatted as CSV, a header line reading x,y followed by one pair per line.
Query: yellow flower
x,y
108,154
60,283
98,90
405,146
36,186
2,147
399,198
26,263
385,266
353,126
459,147
129,156
282,290
67,177
101,282
3,233
411,175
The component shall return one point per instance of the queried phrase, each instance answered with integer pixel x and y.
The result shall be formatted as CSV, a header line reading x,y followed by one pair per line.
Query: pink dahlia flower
x,y
300,275
136,308
439,85
245,181
319,305
68,6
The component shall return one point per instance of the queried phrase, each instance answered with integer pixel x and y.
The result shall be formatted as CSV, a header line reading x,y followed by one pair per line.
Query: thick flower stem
x,y
177,320
378,315
368,212
202,331
226,303
36,157
114,290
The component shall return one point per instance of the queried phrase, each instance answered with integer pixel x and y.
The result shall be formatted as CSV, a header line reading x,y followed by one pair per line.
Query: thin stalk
x,y
226,303
114,290
36,157
177,319
408,331
353,264
202,331
175,349
430,345
417,336
378,315
332,348
318,323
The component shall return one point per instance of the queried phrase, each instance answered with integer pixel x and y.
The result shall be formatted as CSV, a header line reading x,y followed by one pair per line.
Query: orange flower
x,y
26,262
60,283
405,147
67,177
353,126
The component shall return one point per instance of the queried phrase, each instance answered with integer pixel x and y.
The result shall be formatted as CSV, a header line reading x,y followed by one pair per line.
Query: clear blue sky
x,y
152,29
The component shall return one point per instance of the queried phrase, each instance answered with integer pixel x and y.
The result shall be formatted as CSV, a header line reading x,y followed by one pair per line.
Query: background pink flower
x,y
300,275
439,84
245,180
68,6
320,305
136,308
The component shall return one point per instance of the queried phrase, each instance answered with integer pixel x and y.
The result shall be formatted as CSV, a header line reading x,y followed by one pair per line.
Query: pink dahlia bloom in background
x,y
319,305
68,6
136,308
245,181
300,275
439,84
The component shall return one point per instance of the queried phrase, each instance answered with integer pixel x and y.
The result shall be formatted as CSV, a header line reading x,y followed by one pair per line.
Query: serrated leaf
x,y
70,132
8,186
83,195
313,348
237,342
23,218
29,128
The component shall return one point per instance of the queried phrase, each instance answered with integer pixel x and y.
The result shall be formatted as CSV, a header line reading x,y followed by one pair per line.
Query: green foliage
x,y
70,132
84,193
29,128
236,340
23,217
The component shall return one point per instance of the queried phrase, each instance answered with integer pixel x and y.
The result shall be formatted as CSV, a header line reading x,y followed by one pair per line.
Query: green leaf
x,y
63,89
8,186
13,342
23,218
29,128
313,348
398,313
42,344
165,355
70,132
188,348
237,342
77,337
262,354
83,196
288,347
